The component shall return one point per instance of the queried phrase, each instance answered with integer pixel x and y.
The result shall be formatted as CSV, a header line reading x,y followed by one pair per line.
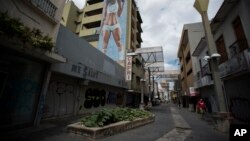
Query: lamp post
x,y
201,6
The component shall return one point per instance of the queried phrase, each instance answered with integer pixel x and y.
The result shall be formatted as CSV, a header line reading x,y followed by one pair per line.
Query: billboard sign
x,y
112,37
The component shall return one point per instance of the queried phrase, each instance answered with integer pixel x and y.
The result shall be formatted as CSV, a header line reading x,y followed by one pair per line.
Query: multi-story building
x,y
70,16
191,35
86,24
165,87
83,84
90,21
203,80
232,37
25,58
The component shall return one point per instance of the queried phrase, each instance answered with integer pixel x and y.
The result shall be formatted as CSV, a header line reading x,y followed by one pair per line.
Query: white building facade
x,y
231,31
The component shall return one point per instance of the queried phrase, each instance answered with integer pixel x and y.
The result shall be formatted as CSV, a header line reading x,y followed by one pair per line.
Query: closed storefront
x,y
20,87
238,99
61,96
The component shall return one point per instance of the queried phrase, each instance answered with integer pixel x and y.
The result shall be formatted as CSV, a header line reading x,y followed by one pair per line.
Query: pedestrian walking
x,y
201,107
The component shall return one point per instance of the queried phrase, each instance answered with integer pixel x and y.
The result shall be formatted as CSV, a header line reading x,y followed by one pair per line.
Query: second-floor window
x,y
188,57
240,34
189,72
220,44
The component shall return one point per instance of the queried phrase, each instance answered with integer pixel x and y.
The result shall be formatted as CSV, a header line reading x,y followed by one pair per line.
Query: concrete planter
x,y
98,132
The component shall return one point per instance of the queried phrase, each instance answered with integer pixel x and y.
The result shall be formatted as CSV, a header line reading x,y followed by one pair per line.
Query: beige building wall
x,y
94,43
84,22
191,35
70,16
45,16
91,21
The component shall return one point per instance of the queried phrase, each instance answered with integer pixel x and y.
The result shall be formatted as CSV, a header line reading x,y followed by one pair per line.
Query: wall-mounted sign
x,y
193,91
128,68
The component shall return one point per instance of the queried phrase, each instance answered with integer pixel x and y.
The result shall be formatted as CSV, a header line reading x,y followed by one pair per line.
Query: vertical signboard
x,y
128,68
112,37
193,91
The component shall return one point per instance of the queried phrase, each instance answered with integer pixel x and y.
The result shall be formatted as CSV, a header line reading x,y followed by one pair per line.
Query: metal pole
x,y
142,95
157,90
149,95
168,93
153,87
214,63
142,85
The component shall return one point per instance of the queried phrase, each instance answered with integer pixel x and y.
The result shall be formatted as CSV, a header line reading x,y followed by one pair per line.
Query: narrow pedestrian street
x,y
65,63
171,124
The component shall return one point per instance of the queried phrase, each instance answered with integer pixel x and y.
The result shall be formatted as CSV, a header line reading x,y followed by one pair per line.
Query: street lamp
x,y
215,55
201,6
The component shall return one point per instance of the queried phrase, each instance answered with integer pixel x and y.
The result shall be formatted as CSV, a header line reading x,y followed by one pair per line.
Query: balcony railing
x,y
94,9
94,20
239,62
46,6
197,76
237,47
204,81
205,70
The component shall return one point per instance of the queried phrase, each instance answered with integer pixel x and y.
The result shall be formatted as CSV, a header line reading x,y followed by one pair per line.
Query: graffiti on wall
x,y
239,108
111,98
119,100
95,98
59,99
115,98
63,88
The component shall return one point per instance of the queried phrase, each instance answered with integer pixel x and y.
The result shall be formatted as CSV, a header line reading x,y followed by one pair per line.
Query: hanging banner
x,y
193,91
129,68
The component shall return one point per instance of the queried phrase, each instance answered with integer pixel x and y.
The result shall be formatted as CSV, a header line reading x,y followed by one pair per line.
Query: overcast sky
x,y
163,21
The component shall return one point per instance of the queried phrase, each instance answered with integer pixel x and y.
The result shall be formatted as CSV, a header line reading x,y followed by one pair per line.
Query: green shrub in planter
x,y
108,116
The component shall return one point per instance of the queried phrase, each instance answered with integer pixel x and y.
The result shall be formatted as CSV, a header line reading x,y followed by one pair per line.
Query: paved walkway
x,y
171,124
181,131
202,129
190,127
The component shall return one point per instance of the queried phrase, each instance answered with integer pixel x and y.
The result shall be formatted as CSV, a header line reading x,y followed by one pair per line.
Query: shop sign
x,y
193,91
128,68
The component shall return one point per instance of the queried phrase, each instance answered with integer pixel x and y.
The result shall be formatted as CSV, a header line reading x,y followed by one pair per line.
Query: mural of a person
x,y
112,10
